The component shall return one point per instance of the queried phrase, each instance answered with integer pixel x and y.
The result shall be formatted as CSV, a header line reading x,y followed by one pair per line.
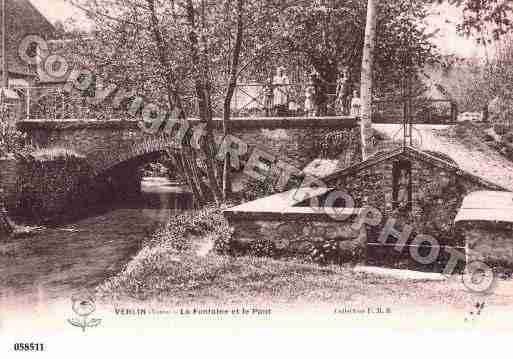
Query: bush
x,y
508,137
181,231
263,248
336,252
325,252
11,140
54,181
501,129
337,142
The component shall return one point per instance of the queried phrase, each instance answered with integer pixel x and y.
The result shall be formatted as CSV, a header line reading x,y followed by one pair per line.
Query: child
x,y
356,104
309,98
281,91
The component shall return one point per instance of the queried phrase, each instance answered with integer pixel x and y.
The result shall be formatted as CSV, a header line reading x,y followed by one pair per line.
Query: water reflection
x,y
83,254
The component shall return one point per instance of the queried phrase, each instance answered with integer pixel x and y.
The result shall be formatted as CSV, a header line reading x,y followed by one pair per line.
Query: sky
x,y
445,17
56,9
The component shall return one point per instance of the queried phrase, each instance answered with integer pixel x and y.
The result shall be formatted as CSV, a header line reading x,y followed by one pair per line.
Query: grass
x,y
171,270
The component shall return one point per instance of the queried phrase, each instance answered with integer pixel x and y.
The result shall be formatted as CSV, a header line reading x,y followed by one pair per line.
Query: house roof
x,y
67,48
411,152
23,19
486,206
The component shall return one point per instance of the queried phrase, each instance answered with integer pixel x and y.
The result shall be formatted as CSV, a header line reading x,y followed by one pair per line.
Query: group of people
x,y
316,99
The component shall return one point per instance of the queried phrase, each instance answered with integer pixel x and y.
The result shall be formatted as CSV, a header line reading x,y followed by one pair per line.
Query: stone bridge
x,y
108,144
111,152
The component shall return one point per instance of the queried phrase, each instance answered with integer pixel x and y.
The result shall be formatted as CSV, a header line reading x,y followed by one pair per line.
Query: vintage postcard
x,y
198,170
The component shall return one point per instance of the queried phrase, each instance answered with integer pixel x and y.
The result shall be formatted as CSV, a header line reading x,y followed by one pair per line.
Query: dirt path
x,y
479,160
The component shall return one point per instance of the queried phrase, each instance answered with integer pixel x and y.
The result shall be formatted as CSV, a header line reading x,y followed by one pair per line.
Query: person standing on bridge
x,y
281,92
343,92
356,104
320,97
309,97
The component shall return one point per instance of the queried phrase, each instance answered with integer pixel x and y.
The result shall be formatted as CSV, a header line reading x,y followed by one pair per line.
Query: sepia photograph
x,y
196,166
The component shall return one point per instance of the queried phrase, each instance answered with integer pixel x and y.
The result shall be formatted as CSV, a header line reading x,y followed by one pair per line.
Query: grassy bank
x,y
179,266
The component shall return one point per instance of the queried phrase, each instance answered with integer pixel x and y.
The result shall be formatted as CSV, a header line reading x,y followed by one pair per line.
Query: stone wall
x,y
107,143
9,170
54,190
44,190
437,194
296,146
274,226
299,238
50,188
491,243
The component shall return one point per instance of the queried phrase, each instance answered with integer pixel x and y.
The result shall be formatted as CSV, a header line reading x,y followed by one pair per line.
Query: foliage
x,y
336,252
508,137
181,231
501,129
328,35
162,275
254,189
325,252
263,248
181,54
336,143
479,86
52,183
11,140
324,35
464,82
486,20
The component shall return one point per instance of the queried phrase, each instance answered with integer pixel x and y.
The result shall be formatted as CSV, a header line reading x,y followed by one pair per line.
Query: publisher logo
x,y
83,306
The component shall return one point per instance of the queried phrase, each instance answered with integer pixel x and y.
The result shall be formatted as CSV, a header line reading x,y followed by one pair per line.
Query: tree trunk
x,y
367,80
187,170
175,102
203,94
234,64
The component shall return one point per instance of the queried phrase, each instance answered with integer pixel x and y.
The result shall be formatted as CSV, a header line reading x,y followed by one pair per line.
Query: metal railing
x,y
292,99
249,100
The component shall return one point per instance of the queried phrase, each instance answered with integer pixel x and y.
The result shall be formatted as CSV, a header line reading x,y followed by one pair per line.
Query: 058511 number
x,y
29,347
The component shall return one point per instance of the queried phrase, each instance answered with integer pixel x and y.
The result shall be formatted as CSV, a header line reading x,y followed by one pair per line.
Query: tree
x,y
327,35
232,83
188,55
486,20
181,53
367,78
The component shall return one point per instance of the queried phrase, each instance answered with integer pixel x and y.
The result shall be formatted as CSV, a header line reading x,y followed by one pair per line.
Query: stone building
x,y
414,192
22,19
423,190
486,222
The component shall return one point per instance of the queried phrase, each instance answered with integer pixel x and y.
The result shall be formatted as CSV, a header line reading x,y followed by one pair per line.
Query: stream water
x,y
57,261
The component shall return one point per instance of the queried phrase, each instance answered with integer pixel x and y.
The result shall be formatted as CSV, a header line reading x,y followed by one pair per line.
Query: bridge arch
x,y
135,151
